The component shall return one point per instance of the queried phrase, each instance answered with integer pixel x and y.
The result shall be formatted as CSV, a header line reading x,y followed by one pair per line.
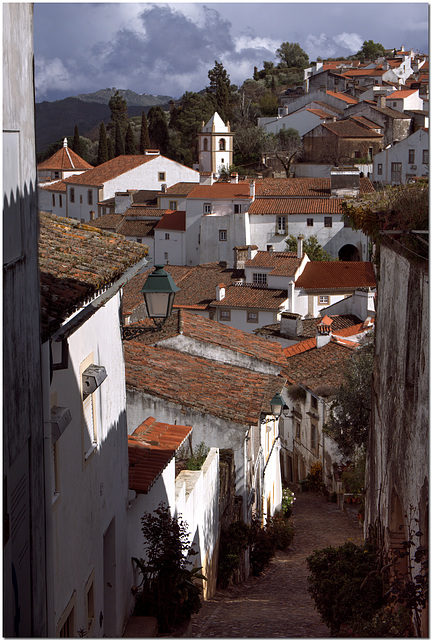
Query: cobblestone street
x,y
276,604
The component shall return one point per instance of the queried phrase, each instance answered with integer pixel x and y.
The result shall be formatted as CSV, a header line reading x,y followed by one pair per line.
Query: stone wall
x,y
398,460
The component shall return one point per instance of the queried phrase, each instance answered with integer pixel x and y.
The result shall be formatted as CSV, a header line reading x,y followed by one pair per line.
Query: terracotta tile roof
x,y
365,122
132,296
302,187
231,393
144,211
151,447
293,206
250,296
315,367
58,186
403,93
75,261
198,284
336,275
320,113
109,170
387,111
64,160
137,228
211,332
221,190
328,107
173,220
339,324
350,129
357,73
283,263
342,96
109,222
180,189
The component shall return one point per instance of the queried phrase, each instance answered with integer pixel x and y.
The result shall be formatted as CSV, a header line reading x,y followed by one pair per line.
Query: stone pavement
x,y
276,604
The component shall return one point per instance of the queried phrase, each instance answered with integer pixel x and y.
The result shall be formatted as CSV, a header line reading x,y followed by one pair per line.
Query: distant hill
x,y
57,120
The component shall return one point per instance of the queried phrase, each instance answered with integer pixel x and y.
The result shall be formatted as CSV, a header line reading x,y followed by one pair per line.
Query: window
x,y
61,201
162,176
323,299
139,240
53,200
252,316
91,215
396,168
90,196
205,144
224,315
222,235
310,222
66,625
207,207
237,208
173,205
222,145
411,156
166,257
313,402
72,194
425,156
379,169
56,174
167,236
357,154
80,199
298,431
260,278
281,225
328,221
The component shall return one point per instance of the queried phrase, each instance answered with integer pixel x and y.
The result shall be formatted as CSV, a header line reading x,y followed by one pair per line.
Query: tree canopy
x,y
285,146
158,129
292,55
118,107
220,90
102,155
350,414
311,247
370,51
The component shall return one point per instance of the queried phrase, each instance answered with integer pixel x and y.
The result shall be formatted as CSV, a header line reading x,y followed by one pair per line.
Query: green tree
x,y
118,107
110,145
144,142
102,155
291,55
130,145
268,105
76,144
311,247
185,124
350,414
370,51
119,140
158,129
221,91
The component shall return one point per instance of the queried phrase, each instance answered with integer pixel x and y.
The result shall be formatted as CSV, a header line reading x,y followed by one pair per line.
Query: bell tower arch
x,y
215,146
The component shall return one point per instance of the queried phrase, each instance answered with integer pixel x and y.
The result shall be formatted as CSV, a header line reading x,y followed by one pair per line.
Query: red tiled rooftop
x,y
59,185
173,221
343,97
75,261
249,296
231,393
293,206
350,129
64,160
336,275
302,187
109,170
221,190
315,367
280,262
137,228
151,447
179,189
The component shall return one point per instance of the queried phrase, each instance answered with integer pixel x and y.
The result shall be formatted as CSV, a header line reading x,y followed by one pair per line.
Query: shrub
x,y
277,533
233,541
287,502
198,457
314,478
345,584
282,532
170,589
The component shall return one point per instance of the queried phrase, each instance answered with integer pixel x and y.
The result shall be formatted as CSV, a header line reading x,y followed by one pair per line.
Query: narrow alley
x,y
277,604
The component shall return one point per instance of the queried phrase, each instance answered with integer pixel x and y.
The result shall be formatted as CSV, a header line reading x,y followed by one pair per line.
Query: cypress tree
x,y
158,129
130,141
110,149
144,142
76,144
119,141
102,155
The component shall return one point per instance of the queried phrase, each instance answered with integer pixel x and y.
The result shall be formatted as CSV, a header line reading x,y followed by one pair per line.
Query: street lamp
x,y
278,407
159,292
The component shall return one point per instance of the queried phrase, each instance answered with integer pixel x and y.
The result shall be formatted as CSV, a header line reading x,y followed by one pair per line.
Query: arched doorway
x,y
349,253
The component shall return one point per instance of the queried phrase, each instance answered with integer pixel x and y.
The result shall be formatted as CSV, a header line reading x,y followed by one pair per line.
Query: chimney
x,y
206,178
164,188
65,143
252,250
381,101
291,324
252,190
323,335
300,244
345,181
234,178
220,292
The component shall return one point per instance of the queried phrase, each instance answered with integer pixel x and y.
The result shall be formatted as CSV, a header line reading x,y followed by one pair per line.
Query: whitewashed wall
x,y
212,249
238,318
197,502
418,141
92,493
171,250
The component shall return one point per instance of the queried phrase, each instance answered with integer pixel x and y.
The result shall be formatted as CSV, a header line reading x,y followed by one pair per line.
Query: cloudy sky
x,y
168,48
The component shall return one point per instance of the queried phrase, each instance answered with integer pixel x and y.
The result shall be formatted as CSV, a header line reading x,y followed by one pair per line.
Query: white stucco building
x,y
86,481
402,162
